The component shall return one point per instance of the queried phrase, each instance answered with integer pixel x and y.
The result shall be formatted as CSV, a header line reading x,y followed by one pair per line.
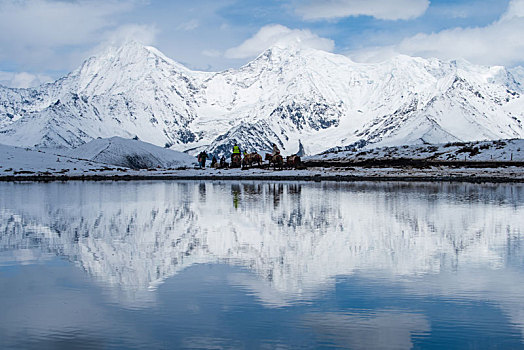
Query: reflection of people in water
x,y
235,199
235,191
202,192
294,189
249,192
252,191
276,190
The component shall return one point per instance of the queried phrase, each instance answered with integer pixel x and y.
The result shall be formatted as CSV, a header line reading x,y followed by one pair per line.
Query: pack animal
x,y
236,161
276,160
293,161
252,158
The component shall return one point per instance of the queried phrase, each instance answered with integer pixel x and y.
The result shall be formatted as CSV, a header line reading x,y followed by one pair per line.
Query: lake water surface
x,y
246,265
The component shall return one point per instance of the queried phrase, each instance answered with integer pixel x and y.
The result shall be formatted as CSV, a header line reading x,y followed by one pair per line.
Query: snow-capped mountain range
x,y
287,95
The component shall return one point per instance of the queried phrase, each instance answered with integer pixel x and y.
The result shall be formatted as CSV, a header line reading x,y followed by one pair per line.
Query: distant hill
x,y
22,161
132,154
497,151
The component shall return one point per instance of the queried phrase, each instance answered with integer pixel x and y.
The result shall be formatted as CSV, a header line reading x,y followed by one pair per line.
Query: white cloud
x,y
23,79
499,43
515,10
373,54
52,23
381,9
189,25
144,34
211,53
47,34
278,34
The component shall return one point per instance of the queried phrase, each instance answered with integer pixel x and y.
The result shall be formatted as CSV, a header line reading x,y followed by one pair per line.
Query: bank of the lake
x,y
341,172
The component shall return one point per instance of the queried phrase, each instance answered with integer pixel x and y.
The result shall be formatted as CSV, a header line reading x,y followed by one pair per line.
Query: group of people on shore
x,y
236,157
203,156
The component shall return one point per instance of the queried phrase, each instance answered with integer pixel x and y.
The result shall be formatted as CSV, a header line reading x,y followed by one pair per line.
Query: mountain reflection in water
x,y
292,241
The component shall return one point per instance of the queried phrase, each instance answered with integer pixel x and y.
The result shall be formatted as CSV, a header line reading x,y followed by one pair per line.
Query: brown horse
x,y
293,161
246,161
236,160
276,160
256,158
251,158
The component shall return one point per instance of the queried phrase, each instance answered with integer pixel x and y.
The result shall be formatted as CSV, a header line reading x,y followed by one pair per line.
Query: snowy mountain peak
x,y
131,52
123,67
294,52
287,48
276,55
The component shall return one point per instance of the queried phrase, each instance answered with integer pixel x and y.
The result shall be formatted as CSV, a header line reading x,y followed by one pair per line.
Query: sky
x,y
42,40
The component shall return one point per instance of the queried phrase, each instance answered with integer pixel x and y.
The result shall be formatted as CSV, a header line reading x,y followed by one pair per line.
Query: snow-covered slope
x,y
286,95
133,154
22,161
497,151
133,90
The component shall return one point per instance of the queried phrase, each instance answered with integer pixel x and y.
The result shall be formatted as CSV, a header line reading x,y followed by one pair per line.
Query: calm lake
x,y
248,265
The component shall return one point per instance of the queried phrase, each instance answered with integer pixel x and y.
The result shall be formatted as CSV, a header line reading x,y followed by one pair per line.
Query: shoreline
x,y
465,175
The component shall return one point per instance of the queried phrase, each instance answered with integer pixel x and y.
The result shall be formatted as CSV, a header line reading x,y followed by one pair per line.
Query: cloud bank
x,y
48,38
499,43
23,79
52,35
380,9
275,34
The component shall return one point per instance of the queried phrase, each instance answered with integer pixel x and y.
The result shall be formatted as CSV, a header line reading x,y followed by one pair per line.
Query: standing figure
x,y
275,158
236,149
275,150
236,157
202,157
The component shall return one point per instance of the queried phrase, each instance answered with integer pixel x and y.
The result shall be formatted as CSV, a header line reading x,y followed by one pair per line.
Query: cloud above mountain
x,y
52,34
380,9
23,79
49,38
275,34
498,43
